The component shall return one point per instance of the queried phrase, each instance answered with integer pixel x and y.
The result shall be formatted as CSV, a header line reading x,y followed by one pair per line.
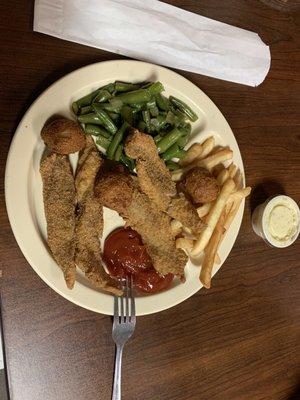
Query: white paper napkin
x,y
154,31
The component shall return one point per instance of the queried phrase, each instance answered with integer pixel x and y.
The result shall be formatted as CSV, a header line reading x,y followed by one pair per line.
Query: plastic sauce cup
x,y
277,221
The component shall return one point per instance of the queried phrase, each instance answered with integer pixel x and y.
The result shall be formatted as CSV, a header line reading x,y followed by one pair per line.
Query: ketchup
x,y
125,254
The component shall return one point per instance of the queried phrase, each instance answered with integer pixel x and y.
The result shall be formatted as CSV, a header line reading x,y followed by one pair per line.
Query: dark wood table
x,y
241,339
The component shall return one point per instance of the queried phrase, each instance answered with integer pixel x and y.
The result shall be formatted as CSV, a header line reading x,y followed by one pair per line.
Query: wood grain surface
x,y
241,339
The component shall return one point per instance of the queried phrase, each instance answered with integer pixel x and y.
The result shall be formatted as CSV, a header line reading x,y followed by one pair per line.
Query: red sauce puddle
x,y
125,254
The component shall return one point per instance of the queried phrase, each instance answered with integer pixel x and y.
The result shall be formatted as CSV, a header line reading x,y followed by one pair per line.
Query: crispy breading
x,y
63,136
200,185
89,227
59,204
89,222
155,230
114,189
156,182
154,178
183,211
118,191
89,162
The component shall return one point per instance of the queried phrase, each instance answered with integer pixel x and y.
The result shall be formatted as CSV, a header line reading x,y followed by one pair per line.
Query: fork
x,y
123,328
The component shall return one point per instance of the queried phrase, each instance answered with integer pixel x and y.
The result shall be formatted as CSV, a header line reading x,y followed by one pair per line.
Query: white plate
x,y
23,184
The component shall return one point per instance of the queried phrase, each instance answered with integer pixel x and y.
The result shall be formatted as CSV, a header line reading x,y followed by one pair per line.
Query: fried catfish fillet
x,y
117,190
89,221
59,204
155,181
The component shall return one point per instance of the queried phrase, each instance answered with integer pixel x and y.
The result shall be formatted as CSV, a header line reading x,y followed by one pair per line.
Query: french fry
x,y
211,161
210,252
222,177
177,175
232,170
207,147
176,227
192,153
204,209
232,213
213,217
217,259
239,194
238,179
185,244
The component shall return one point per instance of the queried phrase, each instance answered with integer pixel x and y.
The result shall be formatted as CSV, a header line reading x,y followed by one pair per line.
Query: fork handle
x,y
117,376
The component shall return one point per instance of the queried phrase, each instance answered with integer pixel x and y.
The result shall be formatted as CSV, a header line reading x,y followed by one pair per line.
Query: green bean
x,y
103,142
172,166
135,97
142,126
186,128
127,114
91,118
182,141
136,107
96,130
157,138
184,108
84,101
118,152
102,96
125,86
128,162
154,111
116,104
75,108
110,87
155,88
105,119
162,102
152,108
158,122
174,119
114,116
85,110
168,140
146,118
141,95
116,141
173,152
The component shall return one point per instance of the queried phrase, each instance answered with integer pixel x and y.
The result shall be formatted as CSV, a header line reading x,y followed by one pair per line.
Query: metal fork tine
x,y
127,299
116,309
122,304
132,316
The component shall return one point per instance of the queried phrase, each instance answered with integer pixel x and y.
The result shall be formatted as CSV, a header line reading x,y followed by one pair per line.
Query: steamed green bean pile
x,y
108,113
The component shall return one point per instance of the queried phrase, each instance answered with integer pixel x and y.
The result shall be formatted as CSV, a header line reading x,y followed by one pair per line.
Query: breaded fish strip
x,y
89,222
88,252
117,191
154,178
155,181
59,204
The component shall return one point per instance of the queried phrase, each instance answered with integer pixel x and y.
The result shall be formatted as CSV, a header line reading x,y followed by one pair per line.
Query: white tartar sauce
x,y
281,221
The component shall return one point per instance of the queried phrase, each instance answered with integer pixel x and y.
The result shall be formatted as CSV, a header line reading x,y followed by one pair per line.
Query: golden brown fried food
x,y
117,191
154,178
89,222
156,182
63,136
59,203
89,162
183,211
200,185
89,227
114,189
